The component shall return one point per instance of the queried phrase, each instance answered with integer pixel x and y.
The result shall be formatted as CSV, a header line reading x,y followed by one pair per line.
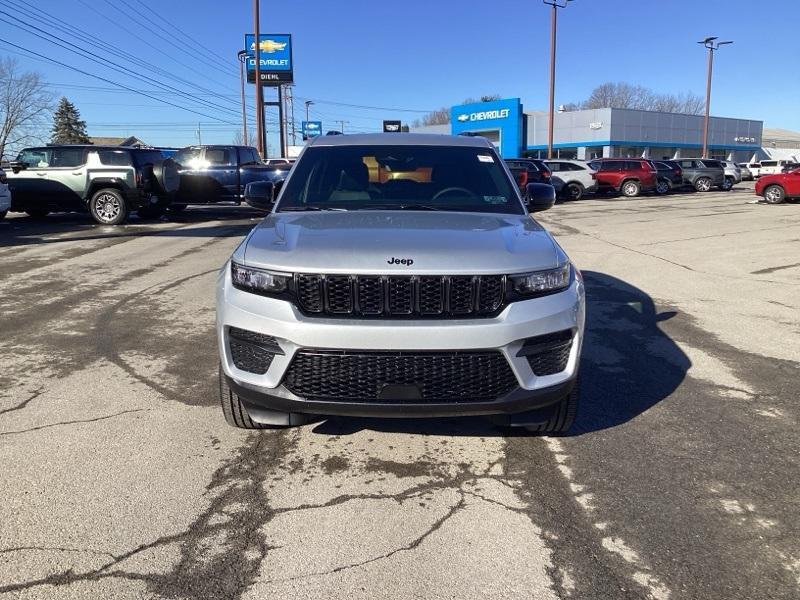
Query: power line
x,y
198,45
106,46
133,90
318,100
76,49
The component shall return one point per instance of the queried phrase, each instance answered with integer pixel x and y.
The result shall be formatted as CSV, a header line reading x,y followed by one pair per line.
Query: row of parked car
x,y
572,179
754,170
111,182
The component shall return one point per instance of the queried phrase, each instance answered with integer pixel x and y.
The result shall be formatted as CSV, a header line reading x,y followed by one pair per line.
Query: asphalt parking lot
x,y
120,479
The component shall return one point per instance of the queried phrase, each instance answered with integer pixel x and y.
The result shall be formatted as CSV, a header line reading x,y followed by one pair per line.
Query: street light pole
x,y
555,5
242,55
712,45
259,89
308,103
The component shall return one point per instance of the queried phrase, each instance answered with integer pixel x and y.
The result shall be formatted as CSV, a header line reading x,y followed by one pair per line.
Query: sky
x,y
363,62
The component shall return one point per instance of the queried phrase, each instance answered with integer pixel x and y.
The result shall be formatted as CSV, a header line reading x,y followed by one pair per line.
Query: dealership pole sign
x,y
311,129
275,55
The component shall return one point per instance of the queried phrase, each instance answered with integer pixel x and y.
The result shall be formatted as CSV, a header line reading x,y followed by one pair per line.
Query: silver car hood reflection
x,y
401,242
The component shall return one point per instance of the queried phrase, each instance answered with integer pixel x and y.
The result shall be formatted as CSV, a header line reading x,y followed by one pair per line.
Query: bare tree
x,y
238,138
25,107
626,95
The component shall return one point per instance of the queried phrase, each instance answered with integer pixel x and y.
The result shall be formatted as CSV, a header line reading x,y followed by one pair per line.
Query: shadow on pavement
x,y
629,365
71,227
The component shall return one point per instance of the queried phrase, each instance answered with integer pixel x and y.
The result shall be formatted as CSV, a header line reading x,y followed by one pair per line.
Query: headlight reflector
x,y
258,281
540,282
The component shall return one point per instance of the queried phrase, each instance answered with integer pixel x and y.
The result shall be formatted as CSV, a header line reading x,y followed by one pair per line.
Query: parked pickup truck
x,y
211,174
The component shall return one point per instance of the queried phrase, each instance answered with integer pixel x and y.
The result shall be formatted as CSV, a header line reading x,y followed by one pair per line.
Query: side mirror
x,y
260,194
18,166
540,196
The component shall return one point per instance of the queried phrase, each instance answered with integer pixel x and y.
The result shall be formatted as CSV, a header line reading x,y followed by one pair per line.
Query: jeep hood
x,y
365,242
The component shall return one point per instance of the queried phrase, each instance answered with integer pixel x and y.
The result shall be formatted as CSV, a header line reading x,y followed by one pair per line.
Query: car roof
x,y
88,146
400,139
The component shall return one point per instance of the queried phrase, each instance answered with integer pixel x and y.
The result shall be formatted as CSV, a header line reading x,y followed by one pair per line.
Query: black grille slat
x,y
462,292
400,296
431,295
490,295
309,292
370,295
440,377
339,294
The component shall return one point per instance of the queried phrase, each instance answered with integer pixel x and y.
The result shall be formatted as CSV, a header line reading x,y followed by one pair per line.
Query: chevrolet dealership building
x,y
604,132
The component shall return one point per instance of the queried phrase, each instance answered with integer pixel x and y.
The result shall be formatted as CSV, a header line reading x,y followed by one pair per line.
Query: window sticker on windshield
x,y
485,158
495,199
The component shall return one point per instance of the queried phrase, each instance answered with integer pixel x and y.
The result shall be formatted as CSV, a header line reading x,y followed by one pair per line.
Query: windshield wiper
x,y
400,207
310,208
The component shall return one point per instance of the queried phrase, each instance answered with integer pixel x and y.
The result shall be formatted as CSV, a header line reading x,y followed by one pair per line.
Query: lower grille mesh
x,y
548,354
438,377
252,352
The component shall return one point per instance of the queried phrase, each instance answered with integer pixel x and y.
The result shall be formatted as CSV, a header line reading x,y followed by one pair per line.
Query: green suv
x,y
108,181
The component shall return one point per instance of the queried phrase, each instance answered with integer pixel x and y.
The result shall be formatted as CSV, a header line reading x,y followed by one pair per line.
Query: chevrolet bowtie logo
x,y
463,118
269,46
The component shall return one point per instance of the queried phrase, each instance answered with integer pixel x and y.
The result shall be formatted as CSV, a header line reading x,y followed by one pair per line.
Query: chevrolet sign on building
x,y
500,121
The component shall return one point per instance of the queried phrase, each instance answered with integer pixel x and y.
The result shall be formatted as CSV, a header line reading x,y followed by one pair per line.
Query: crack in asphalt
x,y
56,549
75,422
24,403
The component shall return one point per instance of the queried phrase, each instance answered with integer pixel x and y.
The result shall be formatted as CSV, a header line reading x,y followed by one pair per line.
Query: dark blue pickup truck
x,y
211,174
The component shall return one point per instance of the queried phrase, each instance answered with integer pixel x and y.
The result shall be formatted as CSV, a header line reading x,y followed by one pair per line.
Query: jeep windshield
x,y
441,178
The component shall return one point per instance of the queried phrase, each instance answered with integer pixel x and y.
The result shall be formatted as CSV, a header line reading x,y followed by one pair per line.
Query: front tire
x,y
774,194
232,408
727,185
563,415
109,207
703,184
631,189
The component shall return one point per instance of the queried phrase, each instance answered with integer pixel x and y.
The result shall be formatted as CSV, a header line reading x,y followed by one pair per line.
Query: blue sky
x,y
413,55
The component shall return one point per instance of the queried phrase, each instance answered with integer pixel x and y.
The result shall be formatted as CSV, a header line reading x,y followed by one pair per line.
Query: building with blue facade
x,y
605,132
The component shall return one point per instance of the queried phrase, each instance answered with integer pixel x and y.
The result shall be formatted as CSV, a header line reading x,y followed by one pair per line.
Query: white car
x,y
772,167
572,178
5,195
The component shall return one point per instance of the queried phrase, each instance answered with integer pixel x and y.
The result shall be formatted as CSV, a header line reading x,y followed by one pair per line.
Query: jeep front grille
x,y
399,296
334,375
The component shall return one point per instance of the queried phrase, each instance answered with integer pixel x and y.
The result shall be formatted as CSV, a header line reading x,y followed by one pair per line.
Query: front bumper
x,y
505,333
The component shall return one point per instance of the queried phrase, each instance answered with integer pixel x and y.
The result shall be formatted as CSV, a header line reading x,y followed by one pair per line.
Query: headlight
x,y
540,282
258,281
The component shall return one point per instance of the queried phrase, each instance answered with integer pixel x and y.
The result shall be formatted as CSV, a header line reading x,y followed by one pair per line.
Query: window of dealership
x,y
607,132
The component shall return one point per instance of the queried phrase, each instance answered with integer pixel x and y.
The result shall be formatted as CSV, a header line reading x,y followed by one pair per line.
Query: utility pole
x,y
242,55
290,111
712,45
308,103
555,5
259,90
342,124
199,135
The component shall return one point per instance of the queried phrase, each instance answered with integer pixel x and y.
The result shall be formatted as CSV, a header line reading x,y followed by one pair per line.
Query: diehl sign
x,y
486,115
392,126
275,58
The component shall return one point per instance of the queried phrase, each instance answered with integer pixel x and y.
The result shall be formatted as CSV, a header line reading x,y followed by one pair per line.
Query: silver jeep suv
x,y
399,275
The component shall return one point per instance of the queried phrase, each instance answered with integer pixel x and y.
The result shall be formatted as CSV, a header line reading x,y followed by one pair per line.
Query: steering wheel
x,y
454,189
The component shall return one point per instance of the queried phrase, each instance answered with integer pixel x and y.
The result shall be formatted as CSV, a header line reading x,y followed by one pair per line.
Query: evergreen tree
x,y
67,125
